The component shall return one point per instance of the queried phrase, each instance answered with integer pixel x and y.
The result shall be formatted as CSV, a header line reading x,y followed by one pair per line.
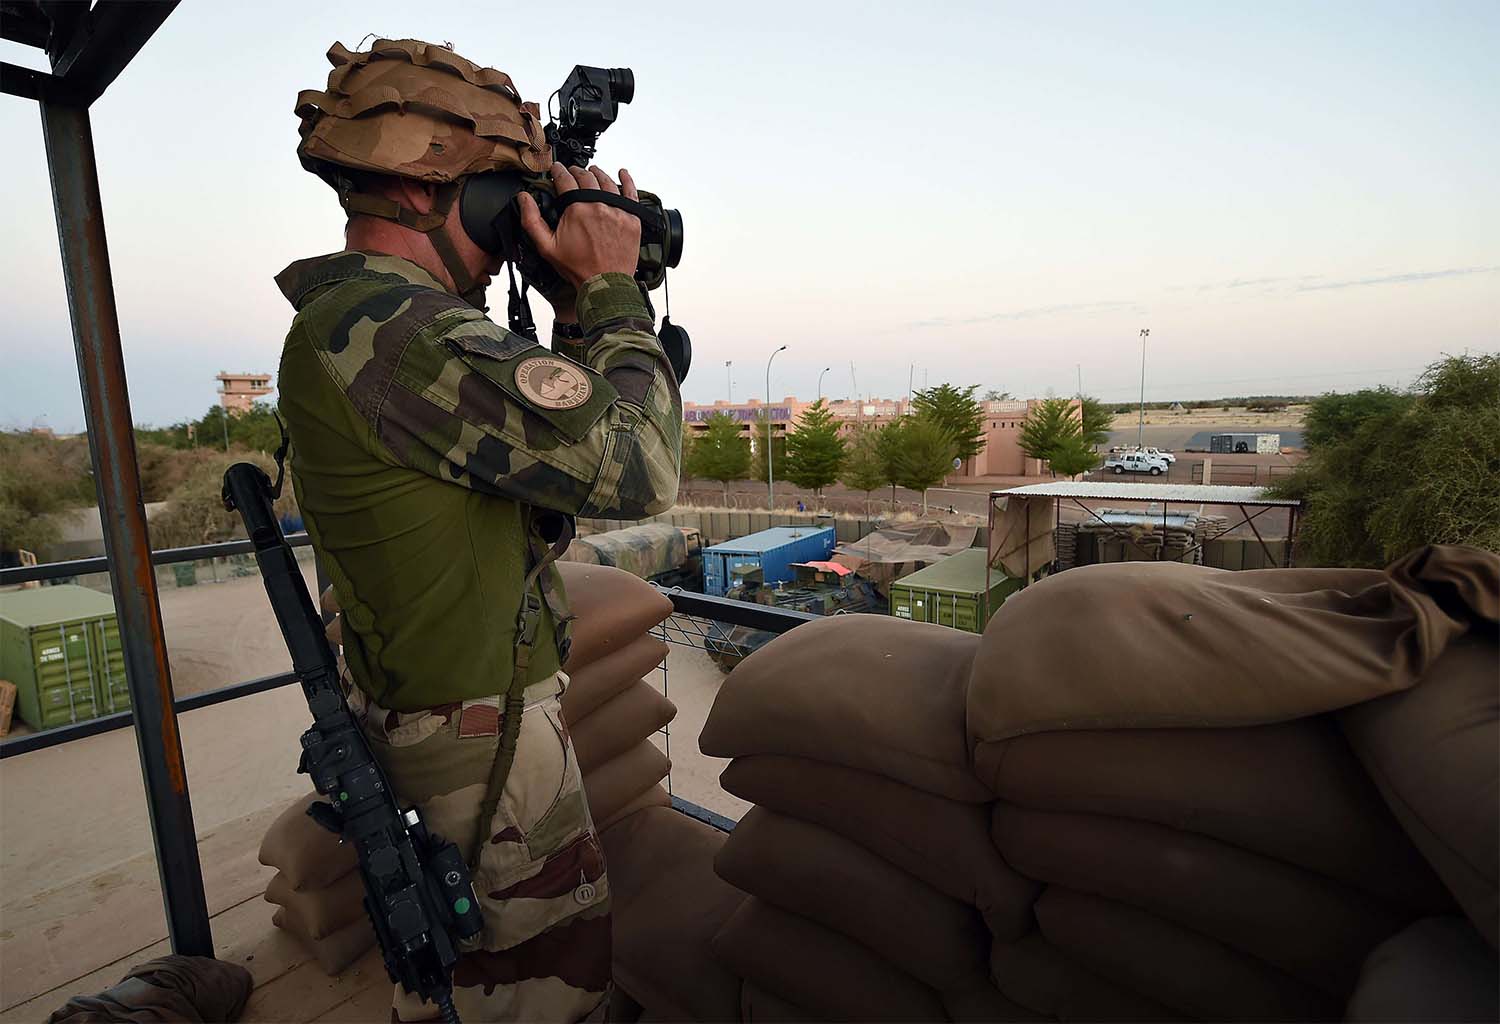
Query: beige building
x,y
1001,455
238,391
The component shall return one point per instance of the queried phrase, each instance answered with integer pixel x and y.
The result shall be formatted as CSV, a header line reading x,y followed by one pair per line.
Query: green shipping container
x,y
951,592
50,648
111,693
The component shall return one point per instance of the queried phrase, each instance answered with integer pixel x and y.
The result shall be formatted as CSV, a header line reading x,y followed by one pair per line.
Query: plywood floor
x,y
82,937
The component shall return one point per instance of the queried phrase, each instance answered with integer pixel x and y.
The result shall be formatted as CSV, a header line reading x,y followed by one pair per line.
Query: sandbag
x,y
808,965
310,856
614,785
820,875
1193,974
182,989
977,999
610,608
1292,791
1172,645
318,913
864,691
1434,751
667,904
656,796
591,685
1314,929
945,843
1033,974
1437,969
336,951
757,1004
619,724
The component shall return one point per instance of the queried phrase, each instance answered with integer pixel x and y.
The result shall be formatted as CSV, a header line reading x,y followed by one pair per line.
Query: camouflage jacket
x,y
421,434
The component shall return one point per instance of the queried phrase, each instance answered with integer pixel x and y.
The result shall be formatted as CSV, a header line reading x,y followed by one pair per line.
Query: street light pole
x,y
729,379
1140,430
820,382
770,448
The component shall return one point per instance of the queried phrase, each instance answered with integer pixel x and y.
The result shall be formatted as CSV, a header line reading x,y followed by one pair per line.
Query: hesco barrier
x,y
60,646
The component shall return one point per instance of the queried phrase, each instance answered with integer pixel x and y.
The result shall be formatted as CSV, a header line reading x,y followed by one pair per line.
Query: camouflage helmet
x,y
416,110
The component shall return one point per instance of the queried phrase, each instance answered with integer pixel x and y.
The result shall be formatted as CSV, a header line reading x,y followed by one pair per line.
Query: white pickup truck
x,y
1136,462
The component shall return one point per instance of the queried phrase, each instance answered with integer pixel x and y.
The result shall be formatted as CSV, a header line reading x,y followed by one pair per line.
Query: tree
x,y
1073,455
39,475
777,443
924,454
955,411
719,453
864,469
195,512
888,450
1097,419
815,451
1048,427
1389,471
993,395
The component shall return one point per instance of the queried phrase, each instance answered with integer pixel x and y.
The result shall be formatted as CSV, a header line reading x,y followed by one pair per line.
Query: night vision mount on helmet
x,y
587,103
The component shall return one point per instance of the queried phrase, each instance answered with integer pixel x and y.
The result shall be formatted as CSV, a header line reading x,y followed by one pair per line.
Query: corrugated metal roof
x,y
1108,490
769,540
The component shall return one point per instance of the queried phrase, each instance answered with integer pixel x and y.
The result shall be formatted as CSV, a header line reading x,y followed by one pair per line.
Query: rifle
x,y
418,892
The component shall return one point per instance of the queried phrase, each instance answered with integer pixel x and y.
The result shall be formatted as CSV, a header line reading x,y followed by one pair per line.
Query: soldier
x,y
437,461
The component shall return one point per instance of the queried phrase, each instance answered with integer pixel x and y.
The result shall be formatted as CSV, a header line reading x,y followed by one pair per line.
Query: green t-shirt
x,y
424,436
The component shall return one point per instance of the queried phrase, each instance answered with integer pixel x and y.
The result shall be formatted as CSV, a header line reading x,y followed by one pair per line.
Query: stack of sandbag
x,y
667,901
610,709
1210,844
317,888
875,886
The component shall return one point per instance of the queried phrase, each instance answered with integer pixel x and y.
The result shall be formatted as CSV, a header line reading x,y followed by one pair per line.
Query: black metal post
x,y
69,142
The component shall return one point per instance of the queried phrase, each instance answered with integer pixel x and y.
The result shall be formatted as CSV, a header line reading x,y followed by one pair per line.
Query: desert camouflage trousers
x,y
544,954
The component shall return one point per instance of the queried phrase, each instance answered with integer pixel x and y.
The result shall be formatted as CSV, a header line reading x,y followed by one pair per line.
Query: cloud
x,y
1267,283
1026,314
1426,275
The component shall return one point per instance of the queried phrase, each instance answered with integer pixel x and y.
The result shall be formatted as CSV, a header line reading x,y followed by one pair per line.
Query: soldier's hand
x,y
591,238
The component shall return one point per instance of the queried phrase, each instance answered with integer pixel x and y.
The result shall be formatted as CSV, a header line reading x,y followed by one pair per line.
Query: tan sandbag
x,y
318,913
816,967
1191,973
1434,751
611,608
1292,791
1172,645
978,999
865,691
1312,928
620,781
183,989
820,875
656,796
1034,974
338,950
619,724
946,843
591,685
310,856
667,905
758,1004
1437,969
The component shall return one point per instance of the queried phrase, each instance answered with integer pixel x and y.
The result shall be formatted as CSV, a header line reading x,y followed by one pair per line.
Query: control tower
x,y
238,391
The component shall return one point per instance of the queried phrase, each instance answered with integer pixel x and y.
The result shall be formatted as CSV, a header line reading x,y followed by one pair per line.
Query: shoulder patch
x,y
552,383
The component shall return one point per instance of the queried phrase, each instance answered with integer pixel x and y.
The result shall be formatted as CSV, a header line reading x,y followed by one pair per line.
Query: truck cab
x,y
1135,462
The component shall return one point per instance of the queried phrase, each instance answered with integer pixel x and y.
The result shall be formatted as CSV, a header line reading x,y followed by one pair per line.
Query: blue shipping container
x,y
774,550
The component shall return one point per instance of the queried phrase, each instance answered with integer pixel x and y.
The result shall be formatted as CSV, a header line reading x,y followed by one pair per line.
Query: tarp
x,y
1020,543
885,556
645,551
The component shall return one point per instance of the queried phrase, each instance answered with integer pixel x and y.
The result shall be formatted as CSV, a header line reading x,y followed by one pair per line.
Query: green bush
x,y
1390,471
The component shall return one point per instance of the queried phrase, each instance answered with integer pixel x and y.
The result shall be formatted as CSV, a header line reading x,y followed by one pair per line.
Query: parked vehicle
x,y
1135,462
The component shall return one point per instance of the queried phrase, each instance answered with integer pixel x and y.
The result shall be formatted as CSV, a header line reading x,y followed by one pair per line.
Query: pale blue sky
x,y
1293,197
